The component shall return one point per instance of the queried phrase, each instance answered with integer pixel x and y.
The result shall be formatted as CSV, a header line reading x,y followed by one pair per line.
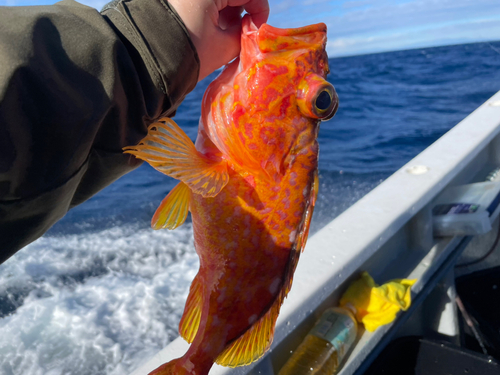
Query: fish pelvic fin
x,y
169,150
191,317
173,209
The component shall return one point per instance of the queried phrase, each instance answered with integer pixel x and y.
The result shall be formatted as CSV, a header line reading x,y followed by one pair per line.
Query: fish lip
x,y
248,26
297,31
272,39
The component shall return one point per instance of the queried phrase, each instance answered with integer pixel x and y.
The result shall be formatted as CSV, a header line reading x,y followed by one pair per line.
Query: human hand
x,y
215,27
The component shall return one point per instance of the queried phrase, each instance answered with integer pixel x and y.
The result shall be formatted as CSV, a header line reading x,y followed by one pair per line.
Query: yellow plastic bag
x,y
375,305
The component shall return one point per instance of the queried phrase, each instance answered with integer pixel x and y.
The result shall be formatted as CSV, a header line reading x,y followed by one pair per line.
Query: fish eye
x,y
323,100
316,98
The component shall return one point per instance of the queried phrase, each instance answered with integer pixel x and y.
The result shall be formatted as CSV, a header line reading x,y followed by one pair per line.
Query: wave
x,y
98,303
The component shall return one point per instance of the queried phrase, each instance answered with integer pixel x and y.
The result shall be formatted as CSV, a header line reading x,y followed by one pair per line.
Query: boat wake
x,y
97,303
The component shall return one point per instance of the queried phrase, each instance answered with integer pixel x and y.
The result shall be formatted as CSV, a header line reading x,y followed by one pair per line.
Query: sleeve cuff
x,y
158,34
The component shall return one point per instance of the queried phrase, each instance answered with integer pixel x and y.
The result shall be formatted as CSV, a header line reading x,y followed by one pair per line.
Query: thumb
x,y
223,46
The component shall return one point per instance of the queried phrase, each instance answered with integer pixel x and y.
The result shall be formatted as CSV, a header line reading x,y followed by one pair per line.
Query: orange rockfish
x,y
250,182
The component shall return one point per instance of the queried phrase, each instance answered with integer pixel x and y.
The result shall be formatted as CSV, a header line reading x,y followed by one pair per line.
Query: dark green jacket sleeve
x,y
76,86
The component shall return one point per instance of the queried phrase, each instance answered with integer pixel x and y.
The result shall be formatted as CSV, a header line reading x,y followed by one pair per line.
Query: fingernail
x,y
222,23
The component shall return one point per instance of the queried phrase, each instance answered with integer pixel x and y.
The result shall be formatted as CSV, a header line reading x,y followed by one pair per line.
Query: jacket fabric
x,y
77,85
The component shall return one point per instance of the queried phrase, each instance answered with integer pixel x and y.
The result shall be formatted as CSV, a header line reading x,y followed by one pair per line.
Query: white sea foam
x,y
94,303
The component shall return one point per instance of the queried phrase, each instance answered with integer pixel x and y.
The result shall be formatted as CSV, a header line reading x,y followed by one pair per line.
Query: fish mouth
x,y
249,27
259,41
269,38
297,32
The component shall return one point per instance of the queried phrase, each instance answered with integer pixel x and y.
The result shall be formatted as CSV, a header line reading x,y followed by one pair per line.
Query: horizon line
x,y
414,48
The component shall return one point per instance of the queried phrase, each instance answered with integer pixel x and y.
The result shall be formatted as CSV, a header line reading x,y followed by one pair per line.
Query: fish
x,y
250,182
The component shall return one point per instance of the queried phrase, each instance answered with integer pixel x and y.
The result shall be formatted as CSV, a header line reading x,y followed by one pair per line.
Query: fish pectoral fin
x,y
254,342
173,209
169,150
190,320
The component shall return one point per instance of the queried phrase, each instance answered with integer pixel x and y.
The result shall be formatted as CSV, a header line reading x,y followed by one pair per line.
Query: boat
x,y
389,233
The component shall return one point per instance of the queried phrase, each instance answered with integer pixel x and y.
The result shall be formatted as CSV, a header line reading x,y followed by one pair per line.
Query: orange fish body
x,y
250,183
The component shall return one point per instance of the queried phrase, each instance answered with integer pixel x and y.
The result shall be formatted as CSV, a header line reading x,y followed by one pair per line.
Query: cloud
x,y
466,32
390,16
363,26
283,6
357,4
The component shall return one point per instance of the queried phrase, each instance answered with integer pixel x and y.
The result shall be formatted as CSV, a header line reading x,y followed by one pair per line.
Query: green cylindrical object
x,y
325,346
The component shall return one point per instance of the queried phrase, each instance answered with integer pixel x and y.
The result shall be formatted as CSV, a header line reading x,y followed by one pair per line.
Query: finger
x,y
230,38
258,9
213,13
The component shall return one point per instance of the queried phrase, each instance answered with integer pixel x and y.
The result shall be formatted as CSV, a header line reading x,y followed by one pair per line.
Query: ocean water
x,y
101,292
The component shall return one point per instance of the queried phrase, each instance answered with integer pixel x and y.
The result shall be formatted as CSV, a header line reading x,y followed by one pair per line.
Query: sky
x,y
367,26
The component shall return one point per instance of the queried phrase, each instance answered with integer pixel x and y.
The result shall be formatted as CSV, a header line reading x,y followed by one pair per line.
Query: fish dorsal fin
x,y
173,209
256,341
168,149
190,320
253,343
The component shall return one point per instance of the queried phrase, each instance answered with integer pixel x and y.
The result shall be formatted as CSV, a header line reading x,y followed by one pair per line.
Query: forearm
x,y
75,87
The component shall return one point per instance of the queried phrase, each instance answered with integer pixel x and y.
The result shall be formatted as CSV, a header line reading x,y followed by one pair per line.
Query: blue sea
x,y
101,292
